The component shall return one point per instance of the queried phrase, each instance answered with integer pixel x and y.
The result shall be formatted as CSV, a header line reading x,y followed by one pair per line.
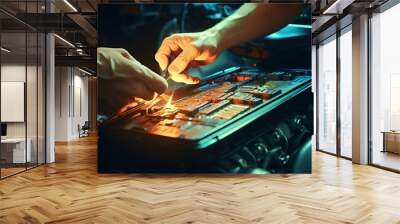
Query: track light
x,y
65,41
5,50
70,5
300,26
84,71
337,7
329,9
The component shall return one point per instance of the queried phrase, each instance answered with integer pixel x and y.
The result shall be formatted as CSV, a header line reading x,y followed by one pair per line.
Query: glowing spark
x,y
128,106
169,105
135,101
154,97
153,101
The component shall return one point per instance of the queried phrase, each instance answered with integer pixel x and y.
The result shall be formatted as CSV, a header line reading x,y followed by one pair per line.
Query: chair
x,y
84,130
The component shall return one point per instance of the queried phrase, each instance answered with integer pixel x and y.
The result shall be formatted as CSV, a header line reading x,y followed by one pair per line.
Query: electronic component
x,y
275,75
164,113
214,107
175,133
191,107
230,111
245,99
261,91
222,98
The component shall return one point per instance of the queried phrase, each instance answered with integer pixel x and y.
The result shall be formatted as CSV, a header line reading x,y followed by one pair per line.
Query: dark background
x,y
140,28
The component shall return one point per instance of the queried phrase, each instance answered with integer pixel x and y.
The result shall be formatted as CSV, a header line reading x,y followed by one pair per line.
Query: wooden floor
x,y
71,191
386,159
5,172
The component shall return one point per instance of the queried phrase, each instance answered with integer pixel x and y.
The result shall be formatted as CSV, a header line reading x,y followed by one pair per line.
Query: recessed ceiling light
x,y
5,50
84,71
334,5
70,5
337,7
65,41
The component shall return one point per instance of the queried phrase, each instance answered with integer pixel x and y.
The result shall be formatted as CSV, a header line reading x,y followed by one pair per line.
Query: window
x,y
22,93
327,96
385,88
346,92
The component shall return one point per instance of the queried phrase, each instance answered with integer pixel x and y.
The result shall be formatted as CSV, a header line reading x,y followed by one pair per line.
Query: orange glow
x,y
135,102
169,104
128,106
150,103
154,97
241,78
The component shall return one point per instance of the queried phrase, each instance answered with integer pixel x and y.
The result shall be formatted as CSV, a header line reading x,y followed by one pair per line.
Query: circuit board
x,y
196,111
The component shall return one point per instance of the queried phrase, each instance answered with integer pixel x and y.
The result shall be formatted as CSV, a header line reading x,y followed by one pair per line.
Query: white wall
x,y
80,110
61,103
71,102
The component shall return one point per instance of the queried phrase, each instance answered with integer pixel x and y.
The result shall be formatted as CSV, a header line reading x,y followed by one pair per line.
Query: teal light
x,y
275,35
300,26
290,31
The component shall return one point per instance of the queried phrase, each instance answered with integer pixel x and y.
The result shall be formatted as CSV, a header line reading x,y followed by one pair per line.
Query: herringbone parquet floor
x,y
71,191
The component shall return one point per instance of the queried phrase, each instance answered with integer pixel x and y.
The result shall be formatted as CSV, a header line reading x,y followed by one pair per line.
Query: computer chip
x,y
230,111
214,107
245,99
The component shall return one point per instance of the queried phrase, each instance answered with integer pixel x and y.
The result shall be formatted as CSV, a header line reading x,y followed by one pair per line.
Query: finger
x,y
155,82
139,89
128,89
135,70
125,53
185,78
181,62
167,48
197,63
120,92
162,60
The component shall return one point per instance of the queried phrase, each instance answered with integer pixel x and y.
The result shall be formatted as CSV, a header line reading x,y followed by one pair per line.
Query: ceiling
x,y
75,21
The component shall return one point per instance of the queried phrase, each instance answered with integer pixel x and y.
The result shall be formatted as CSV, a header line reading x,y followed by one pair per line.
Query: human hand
x,y
180,52
124,78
